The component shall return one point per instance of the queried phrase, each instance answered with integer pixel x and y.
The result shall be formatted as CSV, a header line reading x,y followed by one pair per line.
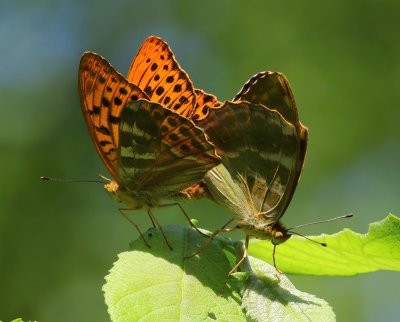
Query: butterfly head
x,y
279,234
120,194
275,232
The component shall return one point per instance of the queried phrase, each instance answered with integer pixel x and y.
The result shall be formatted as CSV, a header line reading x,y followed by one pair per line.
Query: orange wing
x,y
104,92
204,102
156,72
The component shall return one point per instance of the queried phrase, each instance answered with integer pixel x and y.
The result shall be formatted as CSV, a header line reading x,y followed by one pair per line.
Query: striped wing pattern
x,y
262,145
273,90
257,150
161,152
104,93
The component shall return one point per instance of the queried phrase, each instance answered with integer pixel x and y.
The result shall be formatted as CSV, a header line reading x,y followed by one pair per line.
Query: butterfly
x,y
141,127
262,145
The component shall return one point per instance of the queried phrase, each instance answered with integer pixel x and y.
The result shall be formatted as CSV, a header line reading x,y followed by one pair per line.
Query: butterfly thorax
x,y
258,228
133,199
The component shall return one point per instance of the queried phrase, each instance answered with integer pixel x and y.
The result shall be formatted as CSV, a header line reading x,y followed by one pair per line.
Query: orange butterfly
x,y
141,125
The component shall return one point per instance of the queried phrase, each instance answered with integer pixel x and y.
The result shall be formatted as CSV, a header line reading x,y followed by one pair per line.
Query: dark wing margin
x,y
272,90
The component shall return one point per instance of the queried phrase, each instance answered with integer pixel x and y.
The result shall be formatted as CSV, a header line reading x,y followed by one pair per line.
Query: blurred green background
x,y
58,240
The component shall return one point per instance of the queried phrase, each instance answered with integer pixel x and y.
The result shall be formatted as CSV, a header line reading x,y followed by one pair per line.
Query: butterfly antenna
x,y
314,241
71,181
104,178
317,222
322,221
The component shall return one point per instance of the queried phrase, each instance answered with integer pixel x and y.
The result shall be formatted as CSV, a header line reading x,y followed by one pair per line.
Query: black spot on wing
x,y
103,130
117,101
105,102
171,121
153,67
177,88
113,119
159,90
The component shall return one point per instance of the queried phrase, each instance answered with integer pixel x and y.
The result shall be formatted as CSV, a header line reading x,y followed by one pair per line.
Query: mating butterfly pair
x,y
159,137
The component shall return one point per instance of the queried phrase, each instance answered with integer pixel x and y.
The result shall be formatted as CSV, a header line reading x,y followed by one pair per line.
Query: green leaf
x,y
158,284
268,294
348,253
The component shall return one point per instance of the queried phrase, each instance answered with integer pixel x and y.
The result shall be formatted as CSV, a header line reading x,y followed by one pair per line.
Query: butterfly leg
x,y
154,220
121,210
273,257
186,215
244,256
211,237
